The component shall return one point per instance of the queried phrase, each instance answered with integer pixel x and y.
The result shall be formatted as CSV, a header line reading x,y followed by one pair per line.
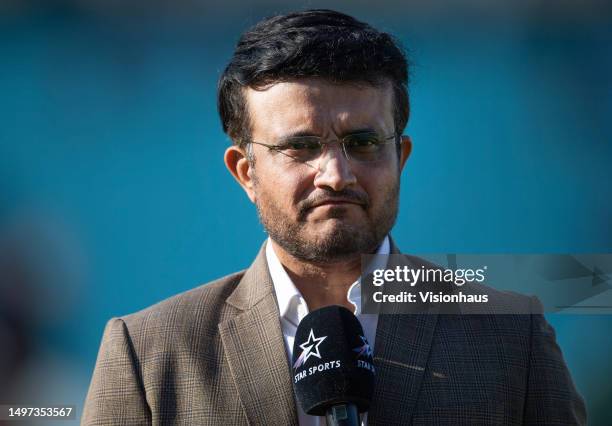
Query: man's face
x,y
335,208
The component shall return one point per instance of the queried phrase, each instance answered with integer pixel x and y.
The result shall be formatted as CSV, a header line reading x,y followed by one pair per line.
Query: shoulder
x,y
199,306
172,337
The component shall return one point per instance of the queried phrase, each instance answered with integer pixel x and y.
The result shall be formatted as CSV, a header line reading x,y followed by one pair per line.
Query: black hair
x,y
313,43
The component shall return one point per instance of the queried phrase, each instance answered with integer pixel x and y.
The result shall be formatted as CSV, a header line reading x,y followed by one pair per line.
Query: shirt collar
x,y
289,297
287,293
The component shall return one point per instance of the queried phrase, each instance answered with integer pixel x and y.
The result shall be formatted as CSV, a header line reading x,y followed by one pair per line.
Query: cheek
x,y
283,189
378,185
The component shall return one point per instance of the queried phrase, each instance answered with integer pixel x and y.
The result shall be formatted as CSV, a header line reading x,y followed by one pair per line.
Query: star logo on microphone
x,y
309,348
364,349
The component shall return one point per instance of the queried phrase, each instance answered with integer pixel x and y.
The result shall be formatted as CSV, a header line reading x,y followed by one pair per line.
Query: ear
x,y
405,151
240,167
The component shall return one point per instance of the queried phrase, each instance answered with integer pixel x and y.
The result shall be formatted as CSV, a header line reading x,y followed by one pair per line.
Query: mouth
x,y
336,202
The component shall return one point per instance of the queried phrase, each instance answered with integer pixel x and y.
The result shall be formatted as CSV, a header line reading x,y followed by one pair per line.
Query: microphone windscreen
x,y
332,361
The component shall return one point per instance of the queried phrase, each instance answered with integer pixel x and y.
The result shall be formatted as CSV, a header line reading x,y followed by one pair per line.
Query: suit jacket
x,y
215,355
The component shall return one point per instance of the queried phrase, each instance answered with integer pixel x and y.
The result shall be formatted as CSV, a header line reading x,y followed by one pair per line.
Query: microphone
x,y
333,370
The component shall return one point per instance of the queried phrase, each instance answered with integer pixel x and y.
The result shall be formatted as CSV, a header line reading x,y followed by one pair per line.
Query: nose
x,y
333,169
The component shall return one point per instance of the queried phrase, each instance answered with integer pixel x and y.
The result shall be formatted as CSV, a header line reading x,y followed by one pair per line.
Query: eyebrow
x,y
306,133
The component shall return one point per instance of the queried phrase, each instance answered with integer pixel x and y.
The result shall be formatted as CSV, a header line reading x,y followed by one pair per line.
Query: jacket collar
x,y
255,285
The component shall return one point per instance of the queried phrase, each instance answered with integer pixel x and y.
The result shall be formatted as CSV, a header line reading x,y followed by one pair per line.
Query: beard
x,y
332,242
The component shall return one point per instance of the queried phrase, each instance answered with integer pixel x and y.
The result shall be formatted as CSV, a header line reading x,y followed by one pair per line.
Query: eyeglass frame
x,y
341,141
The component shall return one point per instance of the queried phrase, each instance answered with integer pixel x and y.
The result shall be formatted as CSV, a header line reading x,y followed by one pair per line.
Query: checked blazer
x,y
215,355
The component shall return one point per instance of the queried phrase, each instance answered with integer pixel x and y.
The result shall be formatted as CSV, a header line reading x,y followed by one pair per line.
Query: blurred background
x,y
113,193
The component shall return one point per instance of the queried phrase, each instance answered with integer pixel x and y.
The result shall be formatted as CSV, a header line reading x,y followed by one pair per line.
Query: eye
x,y
362,141
302,144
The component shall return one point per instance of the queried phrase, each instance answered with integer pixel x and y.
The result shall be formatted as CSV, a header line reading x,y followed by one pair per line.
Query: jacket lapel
x,y
255,349
401,352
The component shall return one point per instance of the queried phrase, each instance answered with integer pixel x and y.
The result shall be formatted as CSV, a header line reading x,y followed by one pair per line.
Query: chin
x,y
333,226
341,235
332,241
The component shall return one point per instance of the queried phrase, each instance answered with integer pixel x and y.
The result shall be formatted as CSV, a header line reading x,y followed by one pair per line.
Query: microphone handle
x,y
342,415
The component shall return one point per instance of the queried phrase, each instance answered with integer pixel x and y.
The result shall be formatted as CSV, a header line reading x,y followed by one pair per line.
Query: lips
x,y
334,202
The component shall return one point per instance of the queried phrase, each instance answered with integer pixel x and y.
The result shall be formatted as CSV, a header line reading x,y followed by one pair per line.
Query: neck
x,y
321,284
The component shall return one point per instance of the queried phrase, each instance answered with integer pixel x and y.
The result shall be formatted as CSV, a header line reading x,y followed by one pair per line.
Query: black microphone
x,y
333,370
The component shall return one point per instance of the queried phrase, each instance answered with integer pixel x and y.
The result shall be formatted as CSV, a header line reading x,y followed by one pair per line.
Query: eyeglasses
x,y
363,147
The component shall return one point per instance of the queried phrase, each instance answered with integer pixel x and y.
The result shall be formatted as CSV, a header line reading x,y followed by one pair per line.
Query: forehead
x,y
318,107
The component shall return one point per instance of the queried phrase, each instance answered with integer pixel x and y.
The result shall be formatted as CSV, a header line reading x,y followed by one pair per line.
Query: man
x,y
315,103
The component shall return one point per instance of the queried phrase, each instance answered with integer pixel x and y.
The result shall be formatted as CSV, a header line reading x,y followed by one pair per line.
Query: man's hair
x,y
316,43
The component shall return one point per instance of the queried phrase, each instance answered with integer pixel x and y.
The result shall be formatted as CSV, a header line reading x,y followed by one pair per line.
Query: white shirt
x,y
293,308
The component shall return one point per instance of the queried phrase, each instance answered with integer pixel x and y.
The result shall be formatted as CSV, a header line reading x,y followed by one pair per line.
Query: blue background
x,y
113,193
